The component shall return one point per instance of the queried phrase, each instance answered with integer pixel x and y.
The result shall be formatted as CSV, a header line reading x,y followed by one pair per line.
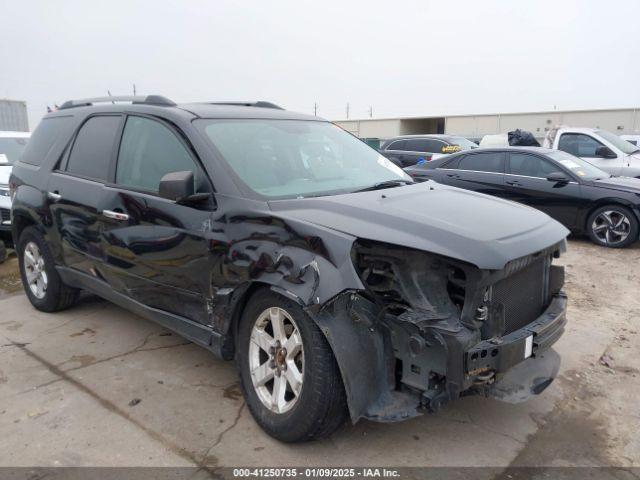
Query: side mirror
x,y
605,152
176,186
558,177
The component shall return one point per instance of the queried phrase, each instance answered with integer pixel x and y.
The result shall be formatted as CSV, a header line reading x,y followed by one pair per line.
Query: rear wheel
x,y
613,226
41,282
289,376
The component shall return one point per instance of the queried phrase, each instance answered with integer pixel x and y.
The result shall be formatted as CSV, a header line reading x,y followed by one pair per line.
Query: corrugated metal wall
x,y
618,121
371,128
13,116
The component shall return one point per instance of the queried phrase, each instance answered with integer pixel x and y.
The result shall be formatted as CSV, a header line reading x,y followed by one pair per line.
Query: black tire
x,y
599,238
57,295
321,406
3,252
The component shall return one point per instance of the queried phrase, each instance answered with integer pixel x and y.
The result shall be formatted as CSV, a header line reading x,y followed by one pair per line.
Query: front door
x,y
156,251
526,182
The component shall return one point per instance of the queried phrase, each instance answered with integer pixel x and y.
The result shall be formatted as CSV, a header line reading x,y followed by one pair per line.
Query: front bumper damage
x,y
397,365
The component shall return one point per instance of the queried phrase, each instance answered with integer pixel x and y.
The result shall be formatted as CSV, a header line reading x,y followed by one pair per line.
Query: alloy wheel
x,y
276,360
611,227
34,270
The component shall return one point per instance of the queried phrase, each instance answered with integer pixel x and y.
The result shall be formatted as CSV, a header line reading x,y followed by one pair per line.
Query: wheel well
x,y
18,224
238,306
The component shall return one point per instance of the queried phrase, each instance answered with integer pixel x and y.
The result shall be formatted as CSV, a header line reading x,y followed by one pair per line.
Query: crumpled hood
x,y
5,173
485,231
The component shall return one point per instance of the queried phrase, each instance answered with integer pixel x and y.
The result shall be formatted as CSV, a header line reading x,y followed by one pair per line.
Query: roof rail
x,y
259,104
146,100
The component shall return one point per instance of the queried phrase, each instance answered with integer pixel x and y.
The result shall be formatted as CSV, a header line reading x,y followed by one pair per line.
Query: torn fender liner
x,y
526,379
365,356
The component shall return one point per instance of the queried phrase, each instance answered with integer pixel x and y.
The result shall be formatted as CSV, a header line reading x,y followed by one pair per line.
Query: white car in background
x,y
11,146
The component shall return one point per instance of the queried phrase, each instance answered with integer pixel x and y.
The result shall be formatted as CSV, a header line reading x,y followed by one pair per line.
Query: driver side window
x,y
148,151
579,144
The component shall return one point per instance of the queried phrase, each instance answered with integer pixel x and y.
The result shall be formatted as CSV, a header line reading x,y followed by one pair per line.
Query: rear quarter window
x,y
45,136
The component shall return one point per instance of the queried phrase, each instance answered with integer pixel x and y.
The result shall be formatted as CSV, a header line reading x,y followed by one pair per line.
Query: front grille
x,y
522,295
5,215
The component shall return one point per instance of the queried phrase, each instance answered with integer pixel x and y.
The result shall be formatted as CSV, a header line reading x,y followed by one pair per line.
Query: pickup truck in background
x,y
601,148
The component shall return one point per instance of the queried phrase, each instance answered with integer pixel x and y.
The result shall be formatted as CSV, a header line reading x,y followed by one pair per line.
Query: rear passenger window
x,y
44,137
483,162
397,145
91,152
149,151
417,145
530,165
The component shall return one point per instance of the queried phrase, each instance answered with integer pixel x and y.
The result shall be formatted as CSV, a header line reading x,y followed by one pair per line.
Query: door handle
x,y
513,183
453,175
115,215
54,196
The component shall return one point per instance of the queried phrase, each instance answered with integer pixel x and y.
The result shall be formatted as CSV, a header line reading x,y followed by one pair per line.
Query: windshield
x,y
11,149
578,166
617,142
463,143
295,158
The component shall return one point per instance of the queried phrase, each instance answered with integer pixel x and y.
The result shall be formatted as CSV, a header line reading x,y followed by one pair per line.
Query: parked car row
x,y
583,179
584,198
341,287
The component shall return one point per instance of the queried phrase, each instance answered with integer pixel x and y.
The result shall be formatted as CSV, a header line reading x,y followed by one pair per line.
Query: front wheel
x,y
289,376
613,226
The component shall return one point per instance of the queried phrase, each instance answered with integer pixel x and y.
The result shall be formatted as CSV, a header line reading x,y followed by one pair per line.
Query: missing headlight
x,y
413,285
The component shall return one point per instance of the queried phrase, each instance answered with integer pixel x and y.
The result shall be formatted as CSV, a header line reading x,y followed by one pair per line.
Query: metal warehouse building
x,y
619,121
13,115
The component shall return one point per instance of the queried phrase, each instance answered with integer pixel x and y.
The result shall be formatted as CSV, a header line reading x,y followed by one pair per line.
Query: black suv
x,y
278,239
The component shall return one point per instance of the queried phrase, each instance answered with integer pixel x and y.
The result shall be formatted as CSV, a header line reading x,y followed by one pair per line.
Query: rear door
x,y
155,250
479,171
527,183
76,188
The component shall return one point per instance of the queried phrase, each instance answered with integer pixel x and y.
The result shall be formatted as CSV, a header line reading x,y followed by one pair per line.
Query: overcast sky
x,y
398,57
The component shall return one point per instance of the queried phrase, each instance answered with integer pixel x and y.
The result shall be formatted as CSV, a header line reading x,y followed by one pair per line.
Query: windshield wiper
x,y
385,184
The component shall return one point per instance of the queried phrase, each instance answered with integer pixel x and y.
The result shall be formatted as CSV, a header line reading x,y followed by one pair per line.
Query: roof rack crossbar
x,y
143,100
259,104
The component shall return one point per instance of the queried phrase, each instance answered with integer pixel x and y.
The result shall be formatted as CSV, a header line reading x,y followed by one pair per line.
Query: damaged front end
x,y
428,329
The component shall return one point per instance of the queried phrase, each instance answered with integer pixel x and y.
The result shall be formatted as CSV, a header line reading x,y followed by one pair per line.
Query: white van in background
x,y
11,146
